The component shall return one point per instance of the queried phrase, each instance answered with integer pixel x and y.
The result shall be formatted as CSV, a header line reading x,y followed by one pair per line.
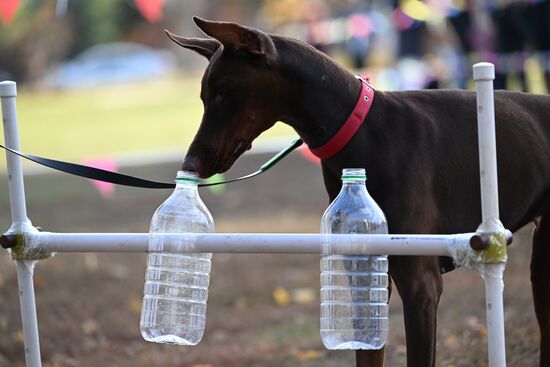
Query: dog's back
x,y
434,134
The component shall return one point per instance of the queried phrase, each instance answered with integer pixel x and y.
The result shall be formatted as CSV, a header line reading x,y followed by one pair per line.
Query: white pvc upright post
x,y
484,74
25,272
8,92
494,306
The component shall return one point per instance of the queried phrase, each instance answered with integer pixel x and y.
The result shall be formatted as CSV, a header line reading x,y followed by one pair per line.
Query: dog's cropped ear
x,y
236,37
204,46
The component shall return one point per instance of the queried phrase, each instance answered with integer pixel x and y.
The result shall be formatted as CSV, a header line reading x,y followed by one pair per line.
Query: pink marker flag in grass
x,y
150,9
106,189
8,8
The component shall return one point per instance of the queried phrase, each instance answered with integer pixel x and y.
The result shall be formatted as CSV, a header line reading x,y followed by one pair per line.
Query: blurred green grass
x,y
98,122
153,115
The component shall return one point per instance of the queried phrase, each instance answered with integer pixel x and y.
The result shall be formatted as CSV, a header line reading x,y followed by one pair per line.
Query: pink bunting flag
x,y
8,8
401,20
150,9
106,189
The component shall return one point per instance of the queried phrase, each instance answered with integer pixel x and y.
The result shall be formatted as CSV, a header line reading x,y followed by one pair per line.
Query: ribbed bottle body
x,y
354,289
176,282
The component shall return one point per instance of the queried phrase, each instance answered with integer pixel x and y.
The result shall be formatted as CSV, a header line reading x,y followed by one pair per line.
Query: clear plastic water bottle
x,y
354,289
176,283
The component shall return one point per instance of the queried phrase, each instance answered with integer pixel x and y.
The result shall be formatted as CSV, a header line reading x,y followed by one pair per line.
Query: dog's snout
x,y
191,163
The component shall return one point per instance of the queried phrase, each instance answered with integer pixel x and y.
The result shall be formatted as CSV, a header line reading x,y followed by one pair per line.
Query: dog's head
x,y
239,93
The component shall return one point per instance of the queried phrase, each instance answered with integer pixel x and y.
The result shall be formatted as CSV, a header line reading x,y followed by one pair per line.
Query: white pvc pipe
x,y
484,74
8,92
25,272
494,287
421,245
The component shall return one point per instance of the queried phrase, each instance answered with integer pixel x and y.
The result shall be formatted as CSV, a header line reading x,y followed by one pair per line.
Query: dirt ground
x,y
263,309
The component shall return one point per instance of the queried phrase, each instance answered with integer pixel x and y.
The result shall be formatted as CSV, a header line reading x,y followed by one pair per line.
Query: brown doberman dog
x,y
419,149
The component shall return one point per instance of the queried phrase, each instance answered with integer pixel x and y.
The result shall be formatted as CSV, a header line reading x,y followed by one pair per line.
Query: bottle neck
x,y
353,177
354,183
187,180
355,188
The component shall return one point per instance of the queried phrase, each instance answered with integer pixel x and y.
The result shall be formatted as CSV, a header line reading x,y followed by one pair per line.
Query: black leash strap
x,y
125,180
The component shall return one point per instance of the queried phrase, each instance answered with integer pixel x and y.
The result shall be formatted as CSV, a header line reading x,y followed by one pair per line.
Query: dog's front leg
x,y
540,281
419,283
369,358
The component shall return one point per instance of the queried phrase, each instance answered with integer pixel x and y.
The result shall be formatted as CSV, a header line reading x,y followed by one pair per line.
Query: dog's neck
x,y
318,94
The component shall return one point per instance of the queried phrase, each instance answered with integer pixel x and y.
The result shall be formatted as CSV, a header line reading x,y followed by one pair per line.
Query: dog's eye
x,y
220,94
219,97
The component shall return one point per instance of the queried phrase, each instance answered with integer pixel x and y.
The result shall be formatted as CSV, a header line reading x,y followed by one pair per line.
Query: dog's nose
x,y
191,163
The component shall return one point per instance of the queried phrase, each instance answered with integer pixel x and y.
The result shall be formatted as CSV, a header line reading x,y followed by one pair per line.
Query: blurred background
x,y
99,83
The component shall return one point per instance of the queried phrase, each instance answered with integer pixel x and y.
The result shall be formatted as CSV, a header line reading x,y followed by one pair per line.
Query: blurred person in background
x,y
512,38
538,15
506,33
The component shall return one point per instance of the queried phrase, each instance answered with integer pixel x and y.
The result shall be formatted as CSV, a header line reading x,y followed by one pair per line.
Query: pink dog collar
x,y
352,124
